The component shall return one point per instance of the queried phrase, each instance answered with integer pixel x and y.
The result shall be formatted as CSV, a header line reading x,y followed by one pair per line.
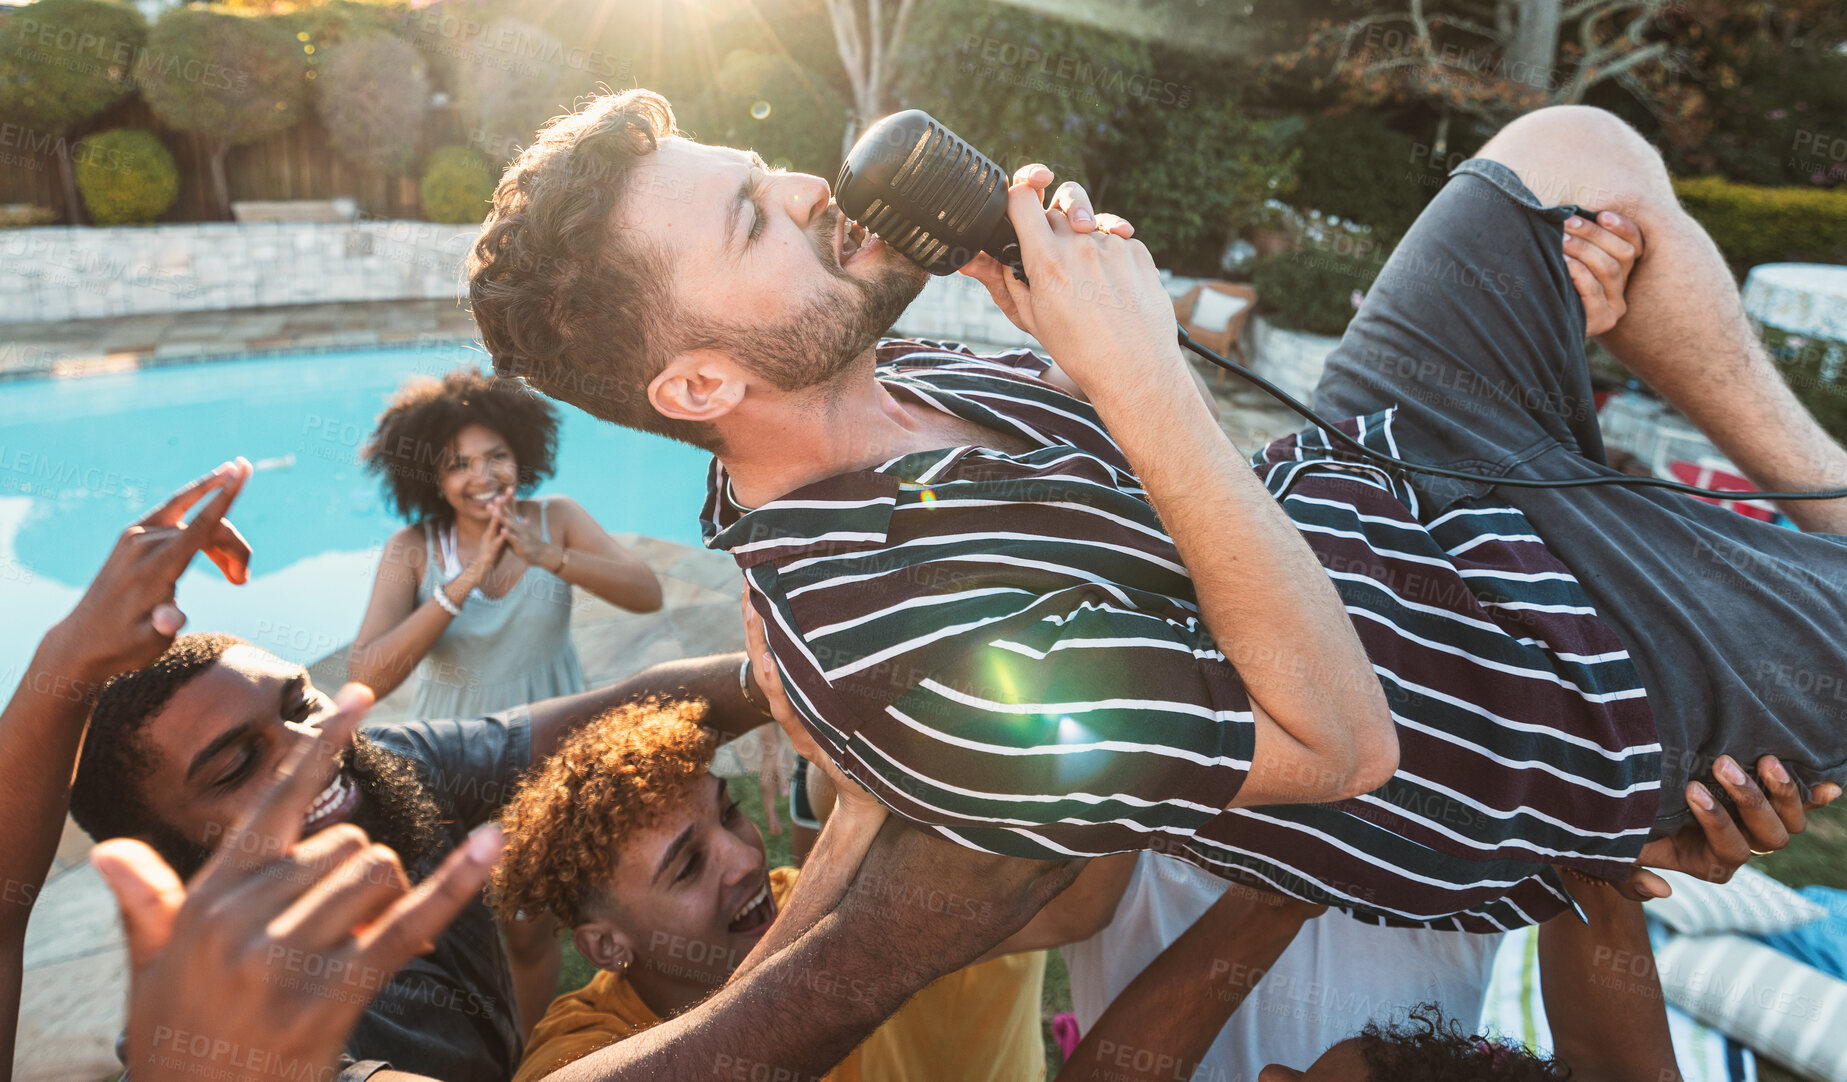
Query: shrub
x,y
1311,289
1357,168
1753,225
126,177
1198,176
511,80
371,93
46,77
457,185
1813,368
228,78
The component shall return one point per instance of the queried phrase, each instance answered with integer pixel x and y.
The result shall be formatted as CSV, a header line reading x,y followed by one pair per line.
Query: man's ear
x,y
701,385
604,945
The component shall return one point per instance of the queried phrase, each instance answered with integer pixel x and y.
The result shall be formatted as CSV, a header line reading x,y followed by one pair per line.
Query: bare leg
x,y
1685,331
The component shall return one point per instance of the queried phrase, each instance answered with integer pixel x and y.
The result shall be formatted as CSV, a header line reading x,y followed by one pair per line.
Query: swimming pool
x,y
82,458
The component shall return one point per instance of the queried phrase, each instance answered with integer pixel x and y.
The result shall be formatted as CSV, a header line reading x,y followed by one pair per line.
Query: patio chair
x,y
1216,315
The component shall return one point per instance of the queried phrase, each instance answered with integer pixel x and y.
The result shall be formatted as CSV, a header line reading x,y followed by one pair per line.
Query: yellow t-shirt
x,y
977,1023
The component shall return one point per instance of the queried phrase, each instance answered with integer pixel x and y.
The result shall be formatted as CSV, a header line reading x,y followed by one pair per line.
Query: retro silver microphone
x,y
927,194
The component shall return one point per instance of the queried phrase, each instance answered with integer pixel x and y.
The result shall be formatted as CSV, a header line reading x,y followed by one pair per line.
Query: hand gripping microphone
x,y
938,201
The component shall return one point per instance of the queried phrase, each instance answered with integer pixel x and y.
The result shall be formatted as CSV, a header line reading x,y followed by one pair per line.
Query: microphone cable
x,y
1390,461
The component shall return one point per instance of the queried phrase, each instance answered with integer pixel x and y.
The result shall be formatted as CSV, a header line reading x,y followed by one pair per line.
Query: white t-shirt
x,y
1336,976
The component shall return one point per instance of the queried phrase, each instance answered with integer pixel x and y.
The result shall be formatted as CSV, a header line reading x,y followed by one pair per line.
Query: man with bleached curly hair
x,y
626,837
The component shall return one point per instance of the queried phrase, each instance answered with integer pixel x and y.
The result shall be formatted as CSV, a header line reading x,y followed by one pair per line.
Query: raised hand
x,y
521,534
260,966
1714,845
487,554
127,617
1074,203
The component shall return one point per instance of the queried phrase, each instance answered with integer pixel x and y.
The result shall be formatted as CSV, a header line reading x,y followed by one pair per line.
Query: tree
x,y
371,94
229,79
770,104
1025,87
1524,55
868,45
65,63
513,79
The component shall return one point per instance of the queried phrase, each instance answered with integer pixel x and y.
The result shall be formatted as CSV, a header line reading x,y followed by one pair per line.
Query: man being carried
x,y
1406,700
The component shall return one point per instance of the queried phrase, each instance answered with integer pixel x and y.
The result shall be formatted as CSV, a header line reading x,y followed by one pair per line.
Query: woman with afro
x,y
476,590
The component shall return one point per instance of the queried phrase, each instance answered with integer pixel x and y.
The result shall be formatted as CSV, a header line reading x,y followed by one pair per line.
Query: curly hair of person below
x,y
1428,1047
410,445
572,813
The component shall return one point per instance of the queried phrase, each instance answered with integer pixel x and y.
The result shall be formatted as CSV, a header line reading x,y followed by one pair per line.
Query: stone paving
x,y
75,980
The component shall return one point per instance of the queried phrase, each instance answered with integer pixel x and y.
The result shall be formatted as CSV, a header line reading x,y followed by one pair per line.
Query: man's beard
x,y
395,809
822,340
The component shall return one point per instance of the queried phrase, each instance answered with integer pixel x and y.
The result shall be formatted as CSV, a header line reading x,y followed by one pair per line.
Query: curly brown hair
x,y
410,445
609,779
563,299
1429,1047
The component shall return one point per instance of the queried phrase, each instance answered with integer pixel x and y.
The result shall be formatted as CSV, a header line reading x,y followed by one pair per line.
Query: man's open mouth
x,y
853,240
334,804
755,915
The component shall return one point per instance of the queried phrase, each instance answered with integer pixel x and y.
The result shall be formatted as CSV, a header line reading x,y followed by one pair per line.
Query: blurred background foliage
x,y
1234,136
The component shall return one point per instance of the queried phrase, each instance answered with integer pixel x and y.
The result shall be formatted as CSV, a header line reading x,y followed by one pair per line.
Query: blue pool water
x,y
82,458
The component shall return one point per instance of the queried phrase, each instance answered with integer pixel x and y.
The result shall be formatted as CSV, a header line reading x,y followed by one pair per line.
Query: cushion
x,y
1752,903
1212,310
1792,1013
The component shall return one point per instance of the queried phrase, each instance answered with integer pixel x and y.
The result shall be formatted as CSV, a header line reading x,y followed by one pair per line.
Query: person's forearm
x,y
1603,999
41,731
826,876
1162,1025
1261,592
713,679
623,581
387,661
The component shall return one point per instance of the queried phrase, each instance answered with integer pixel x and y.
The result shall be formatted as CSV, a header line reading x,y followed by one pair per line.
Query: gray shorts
x,y
1475,333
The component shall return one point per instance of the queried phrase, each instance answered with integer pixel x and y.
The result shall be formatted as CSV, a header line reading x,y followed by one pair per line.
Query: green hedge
x,y
1311,289
126,177
456,185
1814,369
1753,225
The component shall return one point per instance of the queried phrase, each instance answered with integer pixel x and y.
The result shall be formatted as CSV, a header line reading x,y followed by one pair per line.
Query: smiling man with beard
x,y
177,750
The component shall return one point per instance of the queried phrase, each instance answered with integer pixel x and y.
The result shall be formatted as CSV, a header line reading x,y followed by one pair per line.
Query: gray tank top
x,y
501,651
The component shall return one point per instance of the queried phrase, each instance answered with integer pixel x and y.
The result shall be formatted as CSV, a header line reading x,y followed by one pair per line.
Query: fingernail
x,y
1774,768
1729,771
1649,890
1574,222
223,468
484,843
1607,218
1082,217
1697,794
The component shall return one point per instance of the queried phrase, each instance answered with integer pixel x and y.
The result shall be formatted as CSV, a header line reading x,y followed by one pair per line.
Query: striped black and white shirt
x,y
1007,650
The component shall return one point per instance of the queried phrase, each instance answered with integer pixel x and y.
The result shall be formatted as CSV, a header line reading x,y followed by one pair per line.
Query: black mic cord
x,y
1364,451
